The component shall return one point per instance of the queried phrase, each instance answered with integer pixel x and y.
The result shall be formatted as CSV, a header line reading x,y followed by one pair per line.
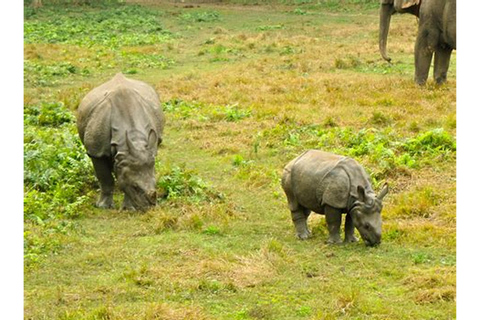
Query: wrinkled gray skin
x,y
437,34
121,124
329,184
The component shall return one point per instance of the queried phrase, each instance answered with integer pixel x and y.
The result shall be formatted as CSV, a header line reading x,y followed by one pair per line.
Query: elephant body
x,y
330,184
120,124
437,33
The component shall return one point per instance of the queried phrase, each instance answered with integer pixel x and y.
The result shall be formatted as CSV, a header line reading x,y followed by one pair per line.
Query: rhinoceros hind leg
x,y
103,172
334,219
299,218
349,230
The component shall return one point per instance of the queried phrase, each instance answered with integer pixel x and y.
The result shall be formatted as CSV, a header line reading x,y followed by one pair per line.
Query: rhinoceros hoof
x,y
128,207
304,235
334,240
105,204
351,240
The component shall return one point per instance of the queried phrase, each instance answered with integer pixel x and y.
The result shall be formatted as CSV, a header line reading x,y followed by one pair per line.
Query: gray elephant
x,y
437,34
120,124
330,184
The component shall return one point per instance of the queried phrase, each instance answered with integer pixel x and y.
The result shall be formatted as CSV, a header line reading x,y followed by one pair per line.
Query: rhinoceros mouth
x,y
372,240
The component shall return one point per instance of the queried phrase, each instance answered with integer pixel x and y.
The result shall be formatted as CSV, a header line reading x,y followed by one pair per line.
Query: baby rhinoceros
x,y
330,184
121,124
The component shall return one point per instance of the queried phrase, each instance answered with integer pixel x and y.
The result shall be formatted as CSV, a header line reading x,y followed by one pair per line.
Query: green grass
x,y
245,89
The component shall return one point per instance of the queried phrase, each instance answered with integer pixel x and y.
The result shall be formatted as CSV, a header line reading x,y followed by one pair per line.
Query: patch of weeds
x,y
421,258
51,114
183,109
144,61
418,203
347,63
379,118
270,27
41,238
212,231
304,311
239,161
414,126
392,233
330,122
436,141
180,183
288,50
261,311
58,175
382,151
139,276
206,16
299,11
41,74
232,113
128,25
212,286
436,284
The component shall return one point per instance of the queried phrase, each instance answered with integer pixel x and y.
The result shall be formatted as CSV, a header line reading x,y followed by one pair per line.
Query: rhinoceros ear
x,y
152,140
383,192
361,193
131,147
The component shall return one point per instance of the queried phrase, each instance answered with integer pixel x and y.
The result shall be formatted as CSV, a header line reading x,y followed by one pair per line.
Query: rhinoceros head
x,y
135,171
366,215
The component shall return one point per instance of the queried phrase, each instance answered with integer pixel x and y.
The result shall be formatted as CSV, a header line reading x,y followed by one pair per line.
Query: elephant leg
x,y
441,63
299,218
423,55
334,220
103,170
349,229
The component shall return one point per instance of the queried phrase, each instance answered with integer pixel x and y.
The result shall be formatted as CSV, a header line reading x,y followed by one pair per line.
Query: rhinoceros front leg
x,y
103,171
127,203
334,220
349,229
299,218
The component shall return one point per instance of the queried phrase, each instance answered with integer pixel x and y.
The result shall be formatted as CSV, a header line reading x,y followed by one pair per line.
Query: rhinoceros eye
x,y
367,226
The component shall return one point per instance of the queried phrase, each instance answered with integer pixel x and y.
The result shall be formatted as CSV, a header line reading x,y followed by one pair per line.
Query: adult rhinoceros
x,y
330,184
121,124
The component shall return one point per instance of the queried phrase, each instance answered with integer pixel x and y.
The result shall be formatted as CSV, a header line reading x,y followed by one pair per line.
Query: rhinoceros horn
x,y
383,192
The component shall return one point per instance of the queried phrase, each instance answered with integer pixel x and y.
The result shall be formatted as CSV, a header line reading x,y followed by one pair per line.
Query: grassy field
x,y
245,88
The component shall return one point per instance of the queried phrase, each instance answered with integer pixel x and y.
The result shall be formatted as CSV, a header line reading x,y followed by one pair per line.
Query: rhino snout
x,y
373,240
152,197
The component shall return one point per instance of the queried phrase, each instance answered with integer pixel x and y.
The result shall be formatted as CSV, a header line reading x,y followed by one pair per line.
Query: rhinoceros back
x,y
117,106
307,173
321,178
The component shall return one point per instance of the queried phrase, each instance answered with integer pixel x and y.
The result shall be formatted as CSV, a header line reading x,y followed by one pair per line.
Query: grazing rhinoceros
x,y
121,124
330,184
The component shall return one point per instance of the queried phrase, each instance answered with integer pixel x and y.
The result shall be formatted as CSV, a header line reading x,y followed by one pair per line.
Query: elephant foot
x,y
105,202
334,240
304,235
440,81
350,239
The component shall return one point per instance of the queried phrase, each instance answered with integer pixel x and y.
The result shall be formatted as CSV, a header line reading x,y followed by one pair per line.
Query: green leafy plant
x,y
181,183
